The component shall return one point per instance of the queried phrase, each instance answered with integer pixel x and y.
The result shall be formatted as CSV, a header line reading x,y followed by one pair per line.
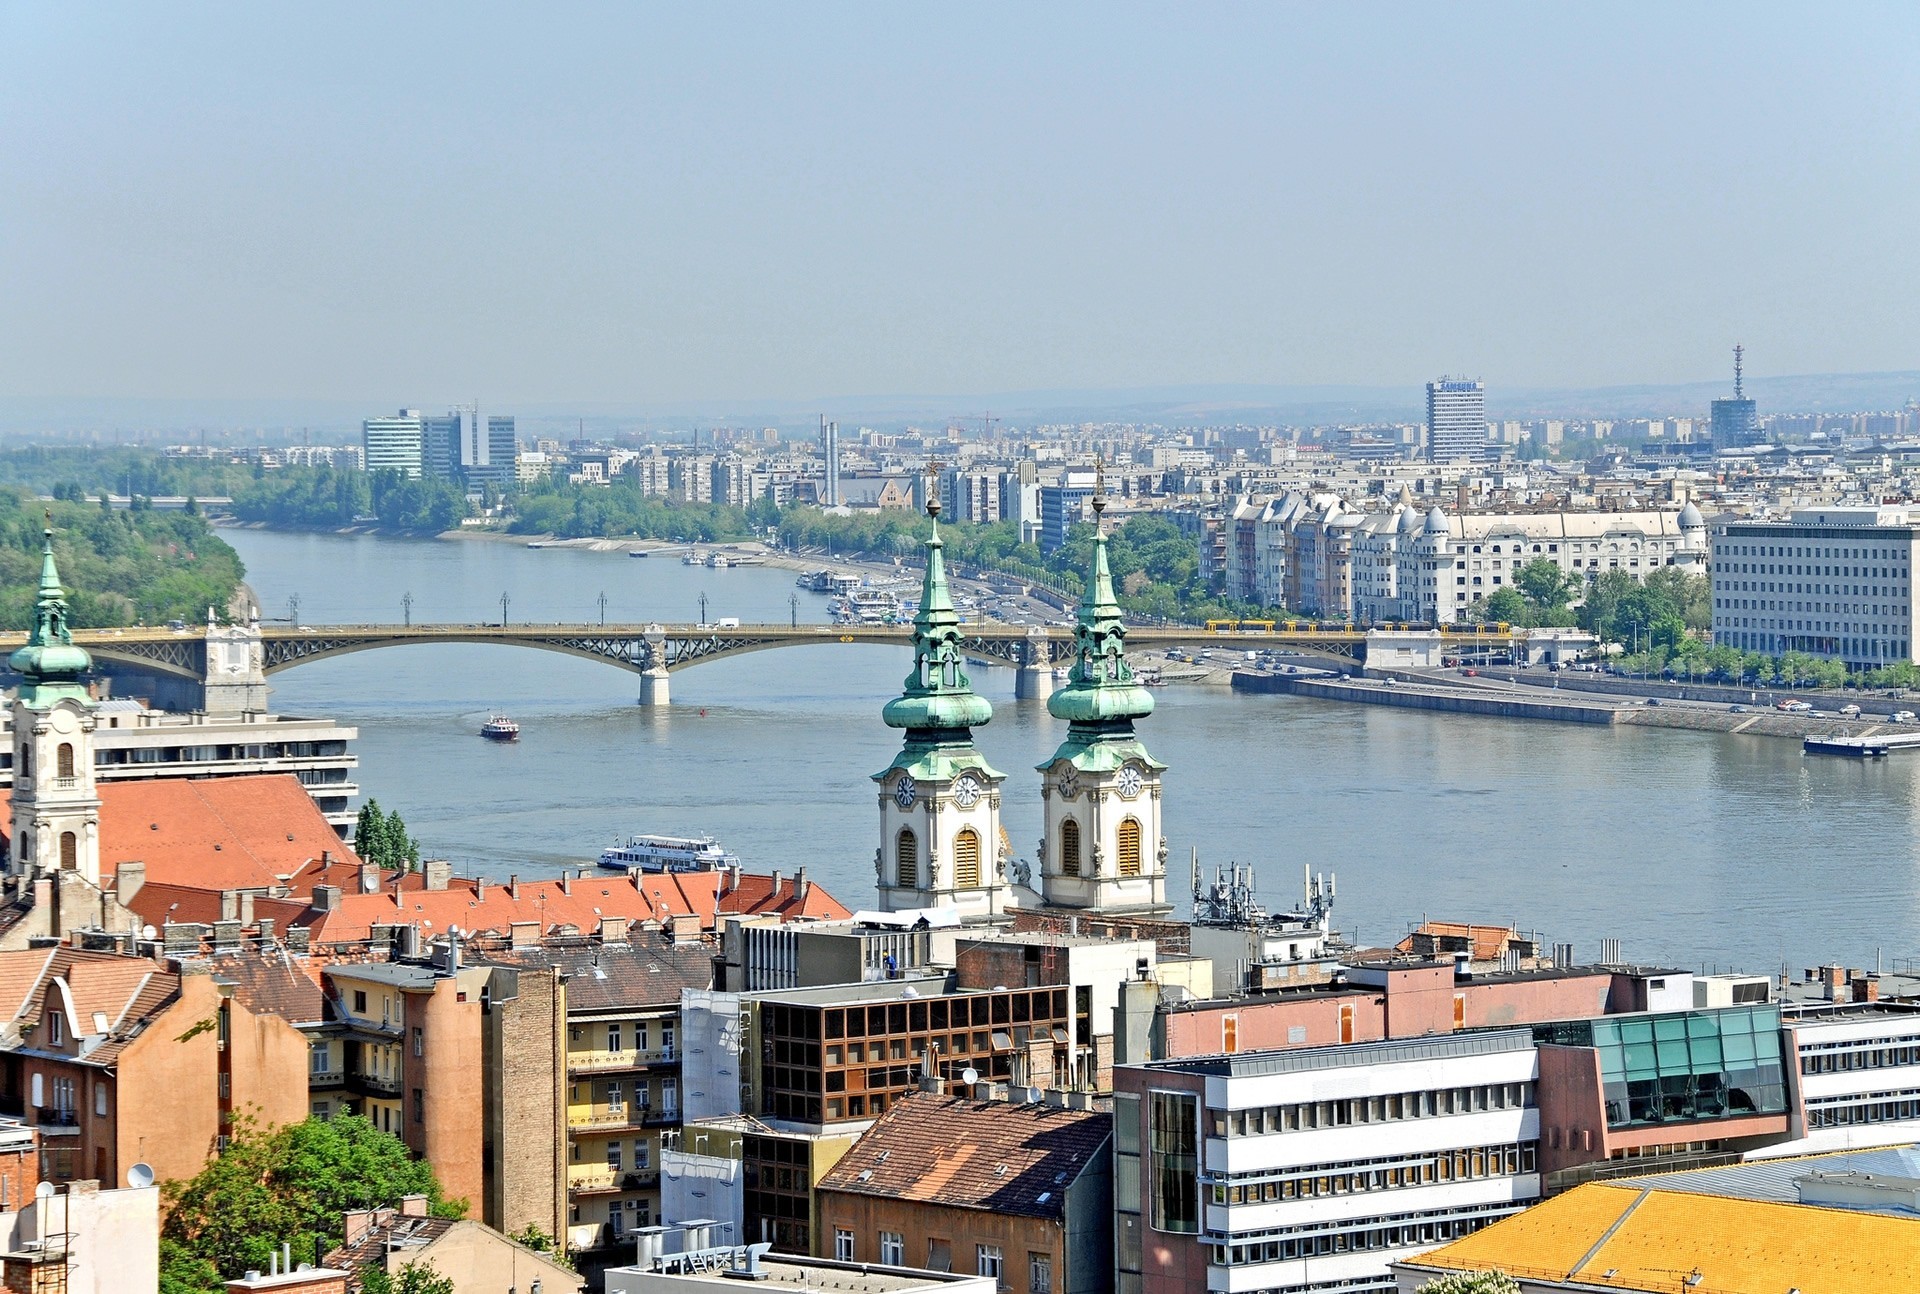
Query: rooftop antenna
x,y
1739,353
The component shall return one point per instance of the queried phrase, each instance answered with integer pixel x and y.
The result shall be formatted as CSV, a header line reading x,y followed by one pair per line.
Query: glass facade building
x,y
1683,1066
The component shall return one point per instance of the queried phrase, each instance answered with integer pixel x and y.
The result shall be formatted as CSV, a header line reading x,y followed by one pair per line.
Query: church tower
x,y
56,811
1103,850
940,838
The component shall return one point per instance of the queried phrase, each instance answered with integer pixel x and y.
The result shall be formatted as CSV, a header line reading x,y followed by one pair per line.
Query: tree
x,y
381,838
1544,584
413,1278
1471,1283
287,1184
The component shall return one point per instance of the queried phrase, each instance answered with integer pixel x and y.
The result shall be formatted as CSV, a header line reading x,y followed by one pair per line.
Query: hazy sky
x,y
645,204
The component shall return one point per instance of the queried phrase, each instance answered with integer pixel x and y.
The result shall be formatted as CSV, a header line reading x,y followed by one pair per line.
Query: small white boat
x,y
669,854
500,728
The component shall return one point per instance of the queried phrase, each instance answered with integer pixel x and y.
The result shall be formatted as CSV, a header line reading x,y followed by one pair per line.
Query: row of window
x,y
1363,1234
1840,1057
1887,1107
966,860
988,1260
1306,1116
616,1097
1127,843
616,1036
1360,1176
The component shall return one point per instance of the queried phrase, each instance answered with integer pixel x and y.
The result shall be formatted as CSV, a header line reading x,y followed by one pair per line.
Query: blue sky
x,y
642,204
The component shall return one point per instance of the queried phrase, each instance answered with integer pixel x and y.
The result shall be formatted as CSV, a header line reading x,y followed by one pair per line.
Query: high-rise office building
x,y
488,446
1736,422
394,443
830,447
440,442
1456,420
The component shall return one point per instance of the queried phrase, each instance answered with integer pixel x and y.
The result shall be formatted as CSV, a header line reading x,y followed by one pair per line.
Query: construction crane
x,y
986,421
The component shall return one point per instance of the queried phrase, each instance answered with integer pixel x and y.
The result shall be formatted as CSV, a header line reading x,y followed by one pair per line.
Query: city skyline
x,y
657,209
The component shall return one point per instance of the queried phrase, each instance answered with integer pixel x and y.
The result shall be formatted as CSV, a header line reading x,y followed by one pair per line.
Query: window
x,y
966,859
907,860
893,1249
419,1106
842,1245
613,1155
986,1261
69,851
616,1099
642,1154
1070,848
100,1099
640,1036
1039,1274
360,1001
1229,1034
669,1095
64,760
319,1058
1129,842
613,1037
1173,1161
419,1043
666,1040
939,1255
56,1028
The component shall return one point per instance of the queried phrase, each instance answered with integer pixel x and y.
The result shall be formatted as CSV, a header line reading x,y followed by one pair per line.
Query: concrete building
x,y
710,1268
1021,1193
1314,1169
475,1257
1830,582
396,443
1456,420
82,1238
1063,506
118,1061
132,742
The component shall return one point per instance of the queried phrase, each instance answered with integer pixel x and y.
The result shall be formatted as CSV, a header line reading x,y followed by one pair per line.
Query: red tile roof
x,y
480,906
1489,943
958,1153
220,833
156,905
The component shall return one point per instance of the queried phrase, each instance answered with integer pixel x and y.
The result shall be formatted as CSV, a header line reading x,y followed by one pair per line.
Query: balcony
x,y
384,1030
323,1079
598,1118
374,1084
602,1182
55,1121
609,1062
667,1116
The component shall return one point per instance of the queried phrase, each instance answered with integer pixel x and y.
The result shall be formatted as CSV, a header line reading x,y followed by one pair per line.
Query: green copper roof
x,y
937,705
50,663
1101,689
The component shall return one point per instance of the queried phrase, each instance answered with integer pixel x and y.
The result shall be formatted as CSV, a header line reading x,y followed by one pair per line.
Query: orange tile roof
x,y
1658,1237
483,906
219,833
156,905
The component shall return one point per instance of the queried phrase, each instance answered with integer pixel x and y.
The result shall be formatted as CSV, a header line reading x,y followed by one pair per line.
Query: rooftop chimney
x,y
513,888
436,872
326,898
800,886
566,882
369,878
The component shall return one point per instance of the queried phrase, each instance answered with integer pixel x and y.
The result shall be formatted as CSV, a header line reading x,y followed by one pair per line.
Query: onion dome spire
x,y
937,703
1102,694
50,664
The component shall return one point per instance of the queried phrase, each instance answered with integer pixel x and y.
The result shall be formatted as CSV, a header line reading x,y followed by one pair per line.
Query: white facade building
x,y
395,443
1831,582
1456,420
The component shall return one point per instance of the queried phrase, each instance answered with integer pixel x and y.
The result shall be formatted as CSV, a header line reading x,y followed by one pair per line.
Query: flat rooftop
x,y
786,1271
1348,1055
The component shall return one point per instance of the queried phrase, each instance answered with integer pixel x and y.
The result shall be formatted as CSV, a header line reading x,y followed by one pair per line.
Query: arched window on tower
x,y
69,851
26,763
906,853
65,757
966,860
1129,843
1070,848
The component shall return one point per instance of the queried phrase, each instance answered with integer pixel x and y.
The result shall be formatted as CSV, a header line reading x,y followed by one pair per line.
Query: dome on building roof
x,y
1436,521
1409,520
1690,518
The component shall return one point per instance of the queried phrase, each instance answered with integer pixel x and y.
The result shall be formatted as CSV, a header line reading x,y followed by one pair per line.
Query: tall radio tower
x,y
1739,353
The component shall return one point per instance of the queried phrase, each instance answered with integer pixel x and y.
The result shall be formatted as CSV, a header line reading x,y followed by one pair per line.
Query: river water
x,y
1692,848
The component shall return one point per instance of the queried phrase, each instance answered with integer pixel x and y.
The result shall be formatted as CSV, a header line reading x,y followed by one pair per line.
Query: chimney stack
x,y
369,878
566,881
436,872
513,887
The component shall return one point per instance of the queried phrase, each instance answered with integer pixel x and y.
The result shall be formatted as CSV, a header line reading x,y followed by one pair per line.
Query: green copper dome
x,y
50,663
1101,688
937,705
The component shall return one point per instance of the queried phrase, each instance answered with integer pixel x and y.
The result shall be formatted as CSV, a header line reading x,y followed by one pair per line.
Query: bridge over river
x,y
224,667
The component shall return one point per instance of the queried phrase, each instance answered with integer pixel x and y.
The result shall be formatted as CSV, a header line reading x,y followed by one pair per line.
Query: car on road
x,y
1849,711
1653,700
1901,716
1794,707
1736,709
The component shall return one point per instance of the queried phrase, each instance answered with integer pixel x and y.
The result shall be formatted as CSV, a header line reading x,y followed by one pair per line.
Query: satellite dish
x,y
969,1076
148,932
44,1191
140,1176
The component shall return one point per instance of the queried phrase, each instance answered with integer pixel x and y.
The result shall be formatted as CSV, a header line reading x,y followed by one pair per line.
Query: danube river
x,y
1691,848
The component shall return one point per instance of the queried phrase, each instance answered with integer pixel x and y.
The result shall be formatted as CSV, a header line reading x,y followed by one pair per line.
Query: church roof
x,y
937,704
49,662
214,833
1102,695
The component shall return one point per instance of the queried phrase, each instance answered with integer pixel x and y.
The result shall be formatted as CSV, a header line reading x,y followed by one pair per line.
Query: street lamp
x,y
293,609
406,607
504,600
603,608
793,605
703,606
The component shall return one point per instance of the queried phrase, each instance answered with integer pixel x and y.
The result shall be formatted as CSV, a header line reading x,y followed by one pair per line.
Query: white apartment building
x,y
1831,582
395,443
1317,555
1313,1169
1456,420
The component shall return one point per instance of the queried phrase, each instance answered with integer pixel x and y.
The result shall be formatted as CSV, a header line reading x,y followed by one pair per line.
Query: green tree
x,y
287,1184
381,838
1493,1282
370,831
540,1242
413,1278
1509,605
1545,585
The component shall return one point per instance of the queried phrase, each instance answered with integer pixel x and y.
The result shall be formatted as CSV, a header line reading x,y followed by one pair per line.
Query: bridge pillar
x,y
1033,681
654,690
234,679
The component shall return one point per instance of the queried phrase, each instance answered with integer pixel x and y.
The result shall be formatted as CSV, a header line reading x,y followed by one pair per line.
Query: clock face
x,y
1070,781
1129,781
966,792
904,793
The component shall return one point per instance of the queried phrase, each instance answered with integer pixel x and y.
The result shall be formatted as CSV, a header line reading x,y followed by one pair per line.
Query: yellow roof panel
x,y
1659,1238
